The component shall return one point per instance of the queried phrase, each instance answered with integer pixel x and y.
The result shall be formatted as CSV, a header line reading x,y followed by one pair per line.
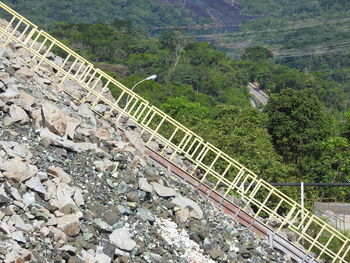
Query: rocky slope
x,y
74,188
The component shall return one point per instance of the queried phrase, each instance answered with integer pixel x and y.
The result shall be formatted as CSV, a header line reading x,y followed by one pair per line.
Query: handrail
x,y
221,173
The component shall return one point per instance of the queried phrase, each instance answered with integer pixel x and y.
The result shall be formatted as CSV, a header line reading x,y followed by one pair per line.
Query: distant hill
x,y
140,12
224,12
145,13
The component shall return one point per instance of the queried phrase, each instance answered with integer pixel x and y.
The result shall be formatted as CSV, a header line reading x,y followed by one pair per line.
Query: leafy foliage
x,y
176,59
296,123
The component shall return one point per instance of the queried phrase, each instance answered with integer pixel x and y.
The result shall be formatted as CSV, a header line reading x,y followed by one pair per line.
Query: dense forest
x,y
142,12
301,135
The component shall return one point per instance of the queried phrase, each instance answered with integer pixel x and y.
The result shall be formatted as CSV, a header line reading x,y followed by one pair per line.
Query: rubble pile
x,y
74,188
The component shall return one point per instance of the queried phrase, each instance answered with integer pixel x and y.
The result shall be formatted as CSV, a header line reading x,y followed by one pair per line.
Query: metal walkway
x,y
222,176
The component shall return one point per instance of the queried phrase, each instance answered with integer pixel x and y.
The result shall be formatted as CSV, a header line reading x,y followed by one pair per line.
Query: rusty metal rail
x,y
223,175
232,209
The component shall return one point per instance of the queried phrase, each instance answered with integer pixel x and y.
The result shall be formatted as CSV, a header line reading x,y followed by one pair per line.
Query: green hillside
x,y
140,12
307,35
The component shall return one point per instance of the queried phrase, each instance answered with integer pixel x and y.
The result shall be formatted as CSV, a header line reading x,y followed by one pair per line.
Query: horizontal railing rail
x,y
220,172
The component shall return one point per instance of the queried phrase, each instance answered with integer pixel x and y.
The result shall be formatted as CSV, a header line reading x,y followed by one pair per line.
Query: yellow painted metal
x,y
222,174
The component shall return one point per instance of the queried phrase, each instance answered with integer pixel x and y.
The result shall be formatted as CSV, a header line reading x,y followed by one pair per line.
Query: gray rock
x,y
111,183
145,214
103,225
110,217
124,210
123,188
132,196
215,253
2,52
4,200
87,236
108,248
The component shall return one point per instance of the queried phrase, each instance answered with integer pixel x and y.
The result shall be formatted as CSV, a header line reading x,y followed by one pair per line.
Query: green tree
x,y
257,53
296,122
242,134
187,112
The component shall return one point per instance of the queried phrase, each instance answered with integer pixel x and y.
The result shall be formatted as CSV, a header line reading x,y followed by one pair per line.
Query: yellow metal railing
x,y
221,173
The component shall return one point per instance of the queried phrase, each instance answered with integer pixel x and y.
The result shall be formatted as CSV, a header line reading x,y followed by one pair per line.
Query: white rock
x,y
183,202
2,215
179,238
35,184
58,235
119,252
86,146
121,238
85,112
63,195
182,215
15,150
25,73
18,170
102,134
69,224
44,231
78,197
104,165
17,114
56,120
26,98
59,172
102,258
56,140
88,256
18,236
51,189
19,223
145,186
163,191
15,194
4,228
9,94
72,124
68,248
29,198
